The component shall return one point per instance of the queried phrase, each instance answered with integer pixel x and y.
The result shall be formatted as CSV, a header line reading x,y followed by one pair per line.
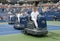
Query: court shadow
x,y
51,35
36,36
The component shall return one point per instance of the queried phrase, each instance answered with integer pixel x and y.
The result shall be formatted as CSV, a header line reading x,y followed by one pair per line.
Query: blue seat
x,y
23,20
41,22
12,20
29,11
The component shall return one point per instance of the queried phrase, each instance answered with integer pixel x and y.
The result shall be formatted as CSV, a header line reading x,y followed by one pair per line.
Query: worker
x,y
34,16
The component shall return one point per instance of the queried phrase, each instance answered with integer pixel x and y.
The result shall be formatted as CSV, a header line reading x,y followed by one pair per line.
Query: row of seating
x,y
50,15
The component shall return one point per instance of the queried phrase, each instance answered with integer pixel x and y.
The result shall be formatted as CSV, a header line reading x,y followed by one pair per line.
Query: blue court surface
x,y
6,29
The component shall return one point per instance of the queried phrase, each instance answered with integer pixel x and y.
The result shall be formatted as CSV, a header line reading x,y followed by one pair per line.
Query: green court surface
x,y
53,35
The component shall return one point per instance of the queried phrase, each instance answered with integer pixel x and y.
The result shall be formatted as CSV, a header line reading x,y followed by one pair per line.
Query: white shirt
x,y
34,15
9,13
11,16
18,16
45,9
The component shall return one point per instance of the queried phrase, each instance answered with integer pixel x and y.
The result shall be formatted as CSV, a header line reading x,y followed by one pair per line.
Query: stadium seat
x,y
41,22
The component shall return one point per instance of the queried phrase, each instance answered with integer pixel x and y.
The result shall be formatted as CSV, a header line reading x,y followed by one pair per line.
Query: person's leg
x,y
18,19
35,22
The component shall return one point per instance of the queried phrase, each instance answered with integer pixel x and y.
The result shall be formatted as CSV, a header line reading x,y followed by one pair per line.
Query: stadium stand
x,y
52,10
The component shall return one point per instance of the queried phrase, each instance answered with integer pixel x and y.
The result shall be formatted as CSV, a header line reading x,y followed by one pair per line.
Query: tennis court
x,y
8,33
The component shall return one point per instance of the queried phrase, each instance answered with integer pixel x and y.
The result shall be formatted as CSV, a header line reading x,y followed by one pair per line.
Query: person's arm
x,y
31,14
38,14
